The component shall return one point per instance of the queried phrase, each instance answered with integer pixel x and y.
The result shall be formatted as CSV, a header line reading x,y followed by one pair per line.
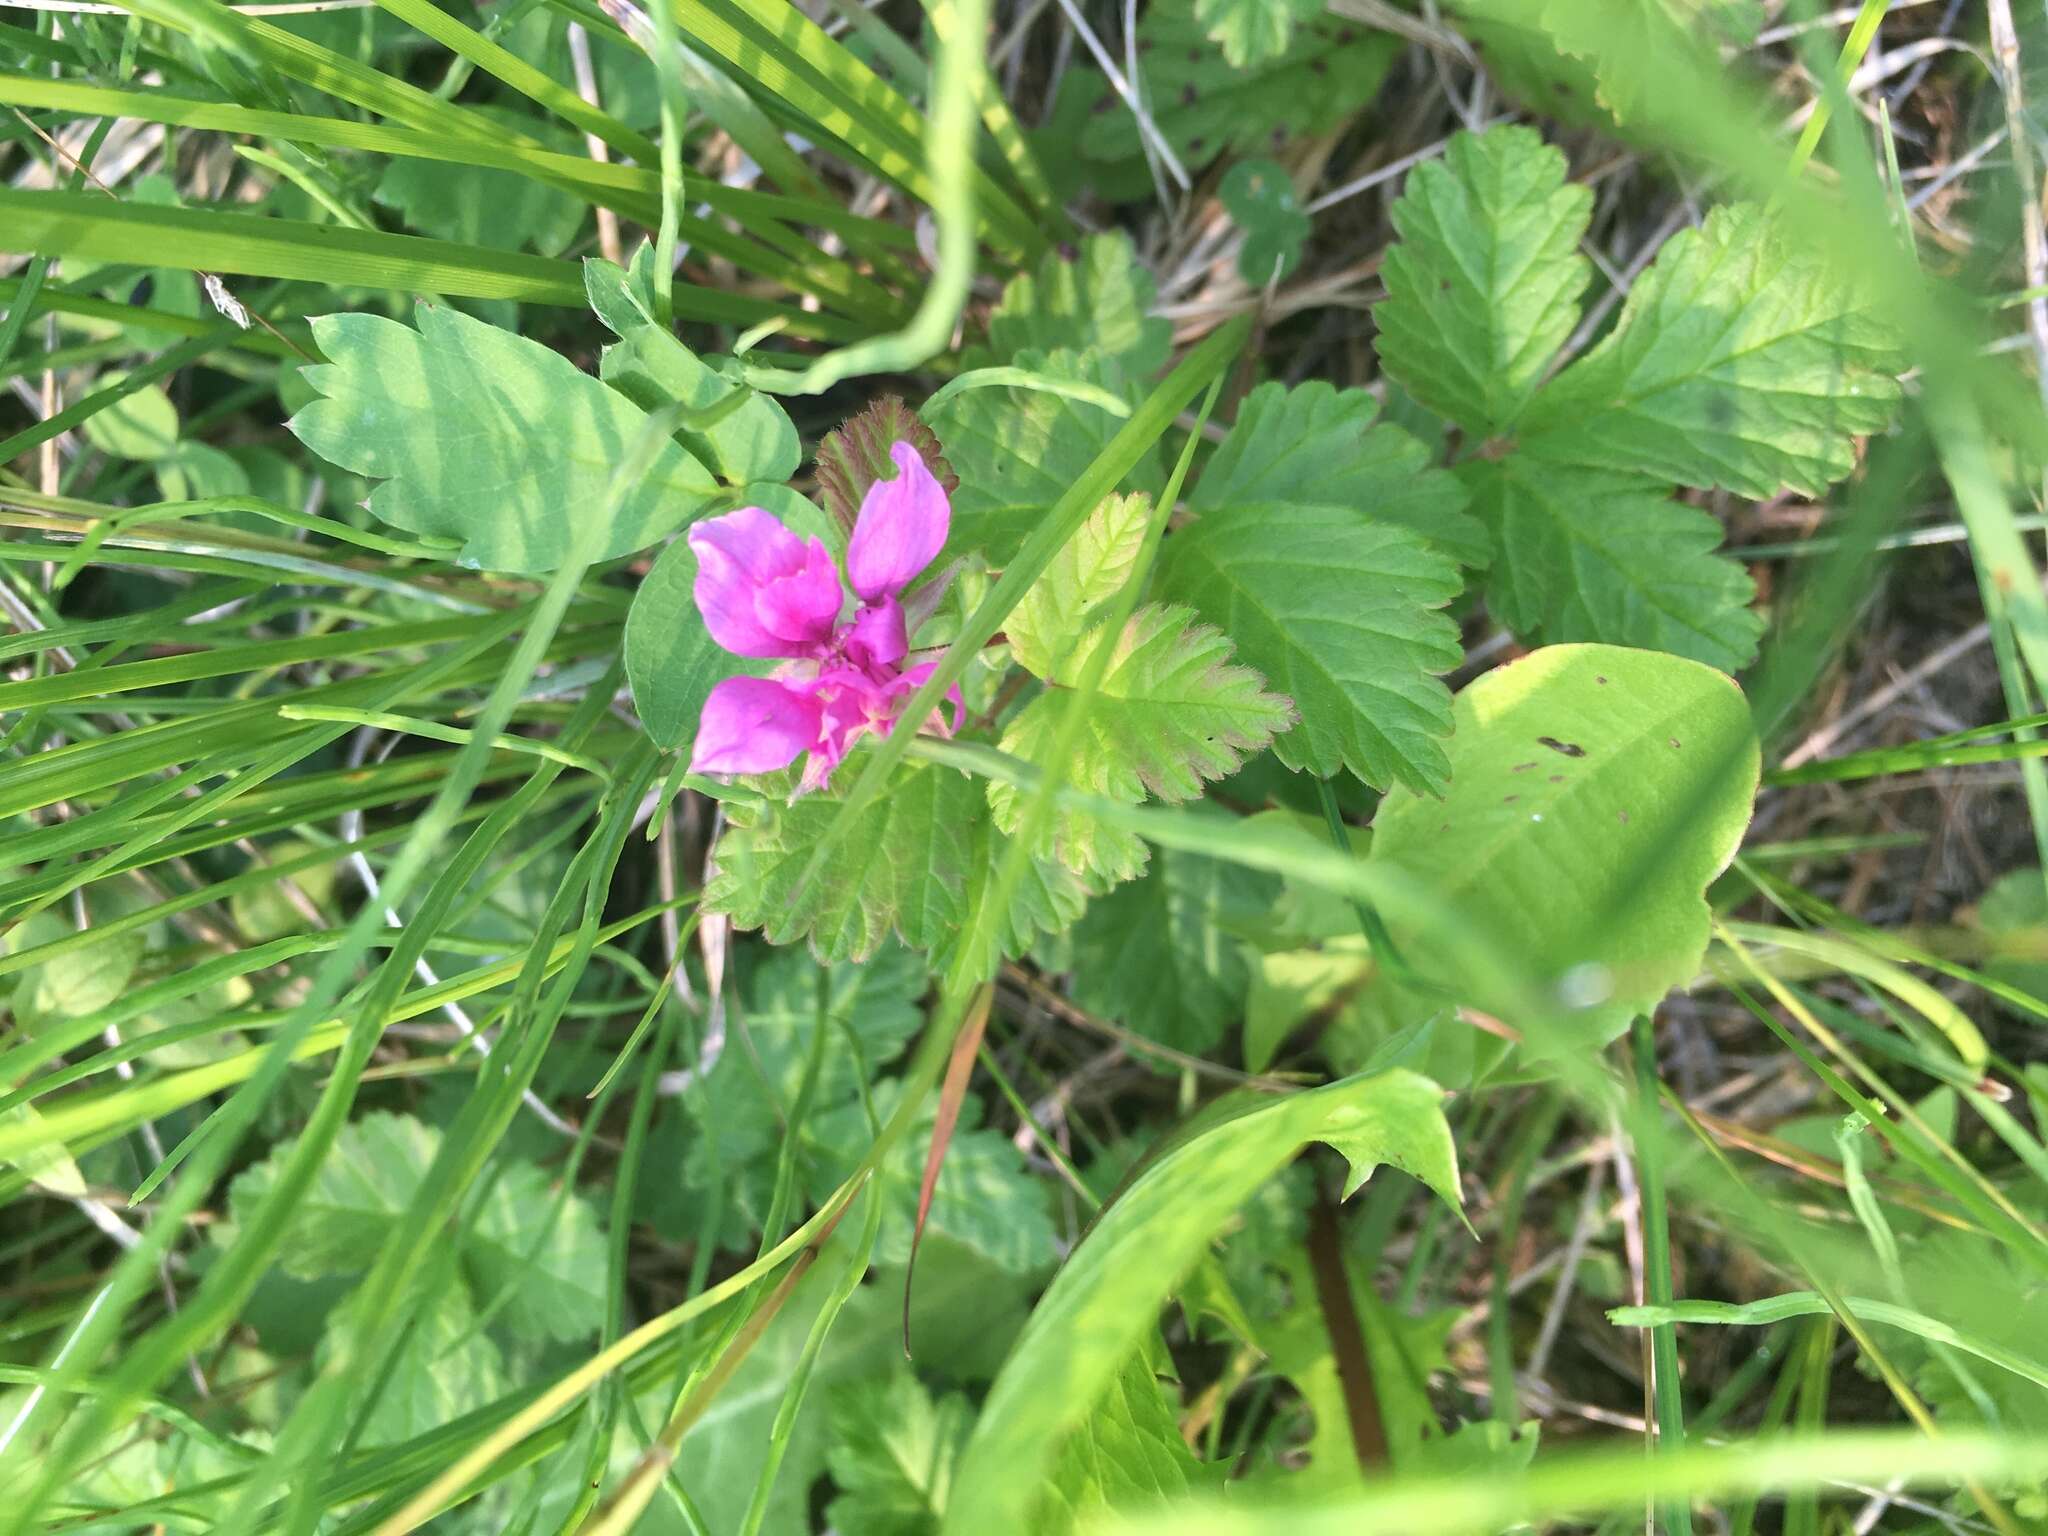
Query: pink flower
x,y
765,592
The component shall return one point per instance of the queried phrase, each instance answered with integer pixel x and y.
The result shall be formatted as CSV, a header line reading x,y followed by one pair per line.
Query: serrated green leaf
x,y
1125,1455
892,1452
1048,899
1107,1296
1740,362
475,205
748,439
1017,451
1594,793
1483,286
551,1261
856,455
1339,614
447,1367
1162,954
368,1179
1101,300
484,437
672,663
1088,571
1260,199
1172,713
1204,106
1594,554
985,1199
1319,446
901,869
1252,31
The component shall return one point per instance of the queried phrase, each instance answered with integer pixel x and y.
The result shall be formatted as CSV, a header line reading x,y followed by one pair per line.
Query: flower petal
x,y
878,637
754,725
901,528
762,590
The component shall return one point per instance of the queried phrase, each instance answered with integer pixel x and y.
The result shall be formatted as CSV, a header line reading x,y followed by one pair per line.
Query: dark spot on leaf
x,y
1195,144
1509,799
1318,67
1194,55
1103,106
1560,87
1568,748
1720,410
1557,778
1624,817
1443,285
1600,680
1674,743
1189,96
1521,767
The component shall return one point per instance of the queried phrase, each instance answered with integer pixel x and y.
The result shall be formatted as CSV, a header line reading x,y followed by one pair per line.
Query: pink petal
x,y
754,725
762,590
901,528
878,637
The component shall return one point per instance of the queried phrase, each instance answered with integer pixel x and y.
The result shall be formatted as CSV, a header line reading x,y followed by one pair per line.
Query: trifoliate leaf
x,y
901,867
1172,713
1594,793
550,1260
1204,106
737,433
1594,554
1252,31
1159,954
1483,287
985,1198
1260,199
1127,1454
1017,451
1103,299
371,1174
857,455
487,438
1088,570
1740,362
1339,614
1319,445
892,1452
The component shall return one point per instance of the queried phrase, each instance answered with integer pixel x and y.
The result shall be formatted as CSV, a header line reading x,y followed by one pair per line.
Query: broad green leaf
x,y
1319,446
892,1452
1172,713
2014,917
1614,39
1204,106
446,1367
1017,451
1047,901
266,912
1596,554
1252,31
1088,571
1099,1307
1594,793
551,1262
1741,361
672,663
739,440
1101,300
985,1200
474,205
1125,1455
79,981
1483,286
721,1457
361,1190
900,868
141,426
1160,954
484,437
1341,615
49,1166
1259,196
